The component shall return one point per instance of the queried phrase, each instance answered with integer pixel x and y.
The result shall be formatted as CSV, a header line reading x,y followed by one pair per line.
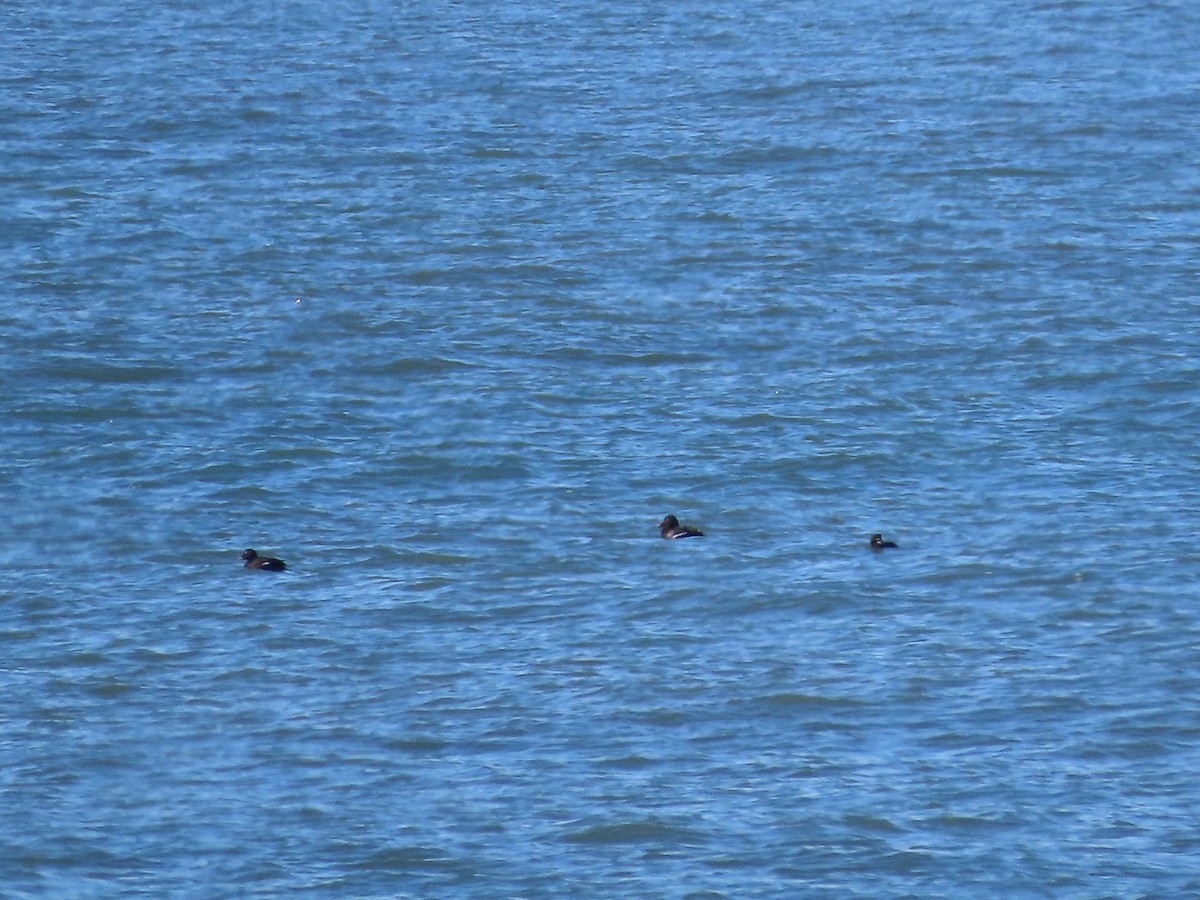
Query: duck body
x,y
878,543
670,529
266,563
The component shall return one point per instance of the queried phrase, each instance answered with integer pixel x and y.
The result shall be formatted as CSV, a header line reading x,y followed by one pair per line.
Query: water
x,y
448,305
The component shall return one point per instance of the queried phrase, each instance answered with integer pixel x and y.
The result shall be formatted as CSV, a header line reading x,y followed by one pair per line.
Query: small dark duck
x,y
878,543
269,563
670,528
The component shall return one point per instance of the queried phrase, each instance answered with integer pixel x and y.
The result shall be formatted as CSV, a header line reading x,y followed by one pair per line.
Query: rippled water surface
x,y
449,304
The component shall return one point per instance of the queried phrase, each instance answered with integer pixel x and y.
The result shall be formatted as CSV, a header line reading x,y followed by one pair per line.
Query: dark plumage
x,y
878,543
670,528
269,563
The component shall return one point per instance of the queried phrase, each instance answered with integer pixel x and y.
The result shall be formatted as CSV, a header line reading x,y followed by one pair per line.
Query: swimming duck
x,y
254,561
878,543
670,528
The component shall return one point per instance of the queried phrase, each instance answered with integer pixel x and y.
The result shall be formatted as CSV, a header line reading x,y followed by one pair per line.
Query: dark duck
x,y
268,563
670,528
878,543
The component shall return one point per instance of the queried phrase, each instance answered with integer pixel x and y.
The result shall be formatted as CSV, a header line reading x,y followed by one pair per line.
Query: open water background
x,y
448,304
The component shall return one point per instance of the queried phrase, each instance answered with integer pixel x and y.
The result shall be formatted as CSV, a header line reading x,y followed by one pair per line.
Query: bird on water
x,y
670,528
878,543
267,563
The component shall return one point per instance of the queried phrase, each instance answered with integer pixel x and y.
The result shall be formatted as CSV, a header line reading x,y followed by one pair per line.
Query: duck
x,y
878,543
670,528
269,563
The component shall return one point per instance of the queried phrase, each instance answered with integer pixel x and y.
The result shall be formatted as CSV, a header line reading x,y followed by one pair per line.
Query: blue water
x,y
449,304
